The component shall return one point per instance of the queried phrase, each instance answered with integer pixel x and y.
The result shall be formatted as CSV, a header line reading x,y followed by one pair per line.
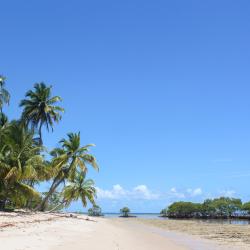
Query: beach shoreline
x,y
25,231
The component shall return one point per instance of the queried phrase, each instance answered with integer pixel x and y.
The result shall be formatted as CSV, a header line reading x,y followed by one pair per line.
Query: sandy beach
x,y
125,125
61,231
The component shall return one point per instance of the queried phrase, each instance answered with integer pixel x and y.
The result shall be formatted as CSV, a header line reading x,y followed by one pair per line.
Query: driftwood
x,y
7,225
73,216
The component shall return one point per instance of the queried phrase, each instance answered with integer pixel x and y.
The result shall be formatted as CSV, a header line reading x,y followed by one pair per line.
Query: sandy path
x,y
107,235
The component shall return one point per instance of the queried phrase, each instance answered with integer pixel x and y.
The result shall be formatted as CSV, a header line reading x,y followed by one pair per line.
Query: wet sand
x,y
237,236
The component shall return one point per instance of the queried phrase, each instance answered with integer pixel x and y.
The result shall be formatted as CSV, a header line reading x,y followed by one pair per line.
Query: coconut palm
x,y
79,188
3,120
20,162
4,94
68,159
39,108
3,127
76,189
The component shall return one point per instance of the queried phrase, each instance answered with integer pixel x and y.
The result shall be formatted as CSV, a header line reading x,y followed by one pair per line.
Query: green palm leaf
x,y
39,108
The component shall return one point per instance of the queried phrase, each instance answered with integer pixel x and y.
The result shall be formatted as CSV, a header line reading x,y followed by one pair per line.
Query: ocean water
x,y
138,215
157,216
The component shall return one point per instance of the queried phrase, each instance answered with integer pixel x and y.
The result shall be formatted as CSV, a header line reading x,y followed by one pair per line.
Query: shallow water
x,y
157,216
139,215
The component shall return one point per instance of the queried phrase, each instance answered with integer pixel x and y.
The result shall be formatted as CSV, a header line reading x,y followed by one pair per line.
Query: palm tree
x,y
79,188
40,109
3,120
76,189
3,127
4,94
68,159
20,162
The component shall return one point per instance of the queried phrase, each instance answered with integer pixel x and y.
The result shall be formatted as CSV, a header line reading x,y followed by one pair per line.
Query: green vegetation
x,y
164,212
67,161
79,188
54,202
183,209
39,108
125,211
222,207
4,94
246,207
95,211
24,161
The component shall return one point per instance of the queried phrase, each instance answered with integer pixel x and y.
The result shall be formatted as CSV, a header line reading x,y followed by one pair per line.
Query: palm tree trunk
x,y
30,200
53,187
57,206
40,133
55,184
2,204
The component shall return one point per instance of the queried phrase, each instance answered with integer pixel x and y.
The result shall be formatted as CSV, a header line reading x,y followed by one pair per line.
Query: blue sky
x,y
161,87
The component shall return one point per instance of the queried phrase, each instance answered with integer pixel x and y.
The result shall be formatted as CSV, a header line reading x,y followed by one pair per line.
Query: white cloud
x,y
145,193
194,192
115,193
175,194
118,192
227,193
142,192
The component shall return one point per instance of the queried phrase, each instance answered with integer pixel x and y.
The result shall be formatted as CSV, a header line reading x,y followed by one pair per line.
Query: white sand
x,y
60,233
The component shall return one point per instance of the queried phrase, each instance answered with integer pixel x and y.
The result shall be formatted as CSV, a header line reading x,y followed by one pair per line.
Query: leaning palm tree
x,y
76,189
4,94
67,160
79,188
40,109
